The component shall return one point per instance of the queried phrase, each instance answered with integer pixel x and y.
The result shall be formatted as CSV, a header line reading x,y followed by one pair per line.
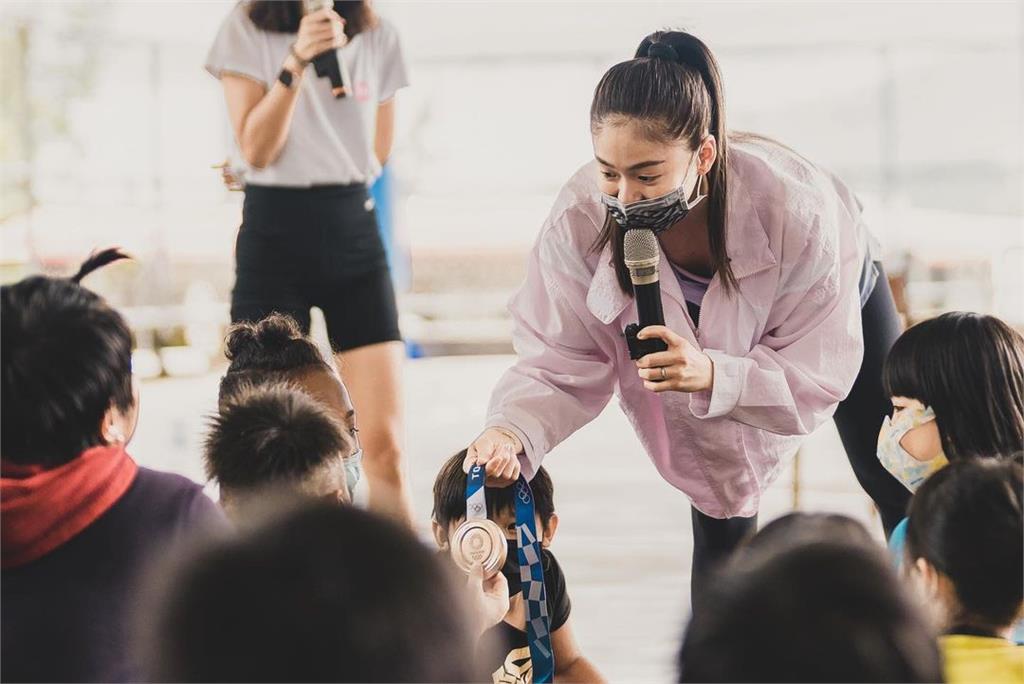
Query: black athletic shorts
x,y
303,247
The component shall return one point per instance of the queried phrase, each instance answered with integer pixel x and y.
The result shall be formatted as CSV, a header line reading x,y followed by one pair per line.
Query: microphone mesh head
x,y
640,245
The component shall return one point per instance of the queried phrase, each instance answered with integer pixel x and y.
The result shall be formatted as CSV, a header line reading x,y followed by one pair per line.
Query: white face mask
x,y
900,464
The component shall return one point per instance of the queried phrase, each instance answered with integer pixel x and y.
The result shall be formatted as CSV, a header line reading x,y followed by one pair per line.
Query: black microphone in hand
x,y
642,257
329,63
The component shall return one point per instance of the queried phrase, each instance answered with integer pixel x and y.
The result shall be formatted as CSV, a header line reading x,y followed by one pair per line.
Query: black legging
x,y
859,418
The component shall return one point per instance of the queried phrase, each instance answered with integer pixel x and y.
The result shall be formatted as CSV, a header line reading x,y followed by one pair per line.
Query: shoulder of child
x,y
559,604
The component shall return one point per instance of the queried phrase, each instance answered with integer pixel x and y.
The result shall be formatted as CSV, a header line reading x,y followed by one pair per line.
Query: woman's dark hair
x,y
969,368
322,593
813,612
272,349
674,87
67,358
283,16
270,434
450,494
966,521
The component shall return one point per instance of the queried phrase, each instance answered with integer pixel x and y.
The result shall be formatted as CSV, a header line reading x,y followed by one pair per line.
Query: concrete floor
x,y
624,540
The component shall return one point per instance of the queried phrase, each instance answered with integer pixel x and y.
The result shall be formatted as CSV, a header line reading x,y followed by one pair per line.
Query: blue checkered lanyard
x,y
531,569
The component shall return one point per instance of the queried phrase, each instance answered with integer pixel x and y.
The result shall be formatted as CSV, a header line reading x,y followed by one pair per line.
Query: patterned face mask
x,y
657,214
908,470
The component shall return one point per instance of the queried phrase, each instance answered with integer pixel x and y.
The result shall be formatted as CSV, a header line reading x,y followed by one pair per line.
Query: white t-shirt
x,y
330,140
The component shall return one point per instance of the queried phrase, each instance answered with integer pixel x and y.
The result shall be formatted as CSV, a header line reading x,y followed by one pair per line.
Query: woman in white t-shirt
x,y
309,234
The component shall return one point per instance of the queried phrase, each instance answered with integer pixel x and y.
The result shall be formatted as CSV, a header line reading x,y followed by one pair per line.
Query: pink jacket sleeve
x,y
793,379
561,379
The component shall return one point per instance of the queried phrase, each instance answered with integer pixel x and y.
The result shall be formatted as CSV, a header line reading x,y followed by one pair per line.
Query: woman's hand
x,y
319,32
682,368
227,175
497,450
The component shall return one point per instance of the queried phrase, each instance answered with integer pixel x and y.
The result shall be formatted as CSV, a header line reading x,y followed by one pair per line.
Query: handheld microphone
x,y
642,257
329,63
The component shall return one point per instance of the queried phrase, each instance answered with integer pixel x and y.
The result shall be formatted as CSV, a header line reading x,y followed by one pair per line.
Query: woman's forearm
x,y
265,128
261,116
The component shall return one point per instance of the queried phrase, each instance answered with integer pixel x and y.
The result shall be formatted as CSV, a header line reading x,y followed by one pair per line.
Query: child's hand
x,y
488,598
497,450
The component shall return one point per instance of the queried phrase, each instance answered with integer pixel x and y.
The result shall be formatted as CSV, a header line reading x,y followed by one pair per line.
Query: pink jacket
x,y
786,348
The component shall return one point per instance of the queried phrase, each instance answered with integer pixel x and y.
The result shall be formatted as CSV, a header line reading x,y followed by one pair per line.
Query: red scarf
x,y
42,509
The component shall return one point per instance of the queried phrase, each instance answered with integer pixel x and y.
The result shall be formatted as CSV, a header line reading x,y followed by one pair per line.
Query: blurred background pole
x,y
888,127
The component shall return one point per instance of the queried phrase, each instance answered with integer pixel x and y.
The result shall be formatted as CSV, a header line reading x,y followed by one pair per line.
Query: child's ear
x,y
440,535
110,427
929,577
549,530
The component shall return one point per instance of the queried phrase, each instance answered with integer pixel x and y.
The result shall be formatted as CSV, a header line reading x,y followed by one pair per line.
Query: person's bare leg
x,y
372,375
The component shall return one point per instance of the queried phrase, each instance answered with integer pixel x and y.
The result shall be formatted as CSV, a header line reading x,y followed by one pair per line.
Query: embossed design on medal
x,y
479,541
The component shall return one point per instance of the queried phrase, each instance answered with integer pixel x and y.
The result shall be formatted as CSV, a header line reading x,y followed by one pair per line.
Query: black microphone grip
x,y
329,64
648,304
649,311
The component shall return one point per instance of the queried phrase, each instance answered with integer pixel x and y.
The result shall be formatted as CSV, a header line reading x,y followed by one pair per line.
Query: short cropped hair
x,y
66,359
270,434
450,494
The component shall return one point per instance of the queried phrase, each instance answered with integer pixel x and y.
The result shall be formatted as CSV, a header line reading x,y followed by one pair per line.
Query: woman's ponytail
x,y
674,84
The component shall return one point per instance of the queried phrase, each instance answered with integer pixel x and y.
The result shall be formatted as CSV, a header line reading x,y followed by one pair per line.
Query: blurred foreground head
x,y
316,593
799,528
810,610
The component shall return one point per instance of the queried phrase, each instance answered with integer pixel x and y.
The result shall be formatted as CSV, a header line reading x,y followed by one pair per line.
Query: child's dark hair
x,y
269,434
450,494
794,529
674,87
321,593
966,521
67,358
273,349
813,612
969,368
